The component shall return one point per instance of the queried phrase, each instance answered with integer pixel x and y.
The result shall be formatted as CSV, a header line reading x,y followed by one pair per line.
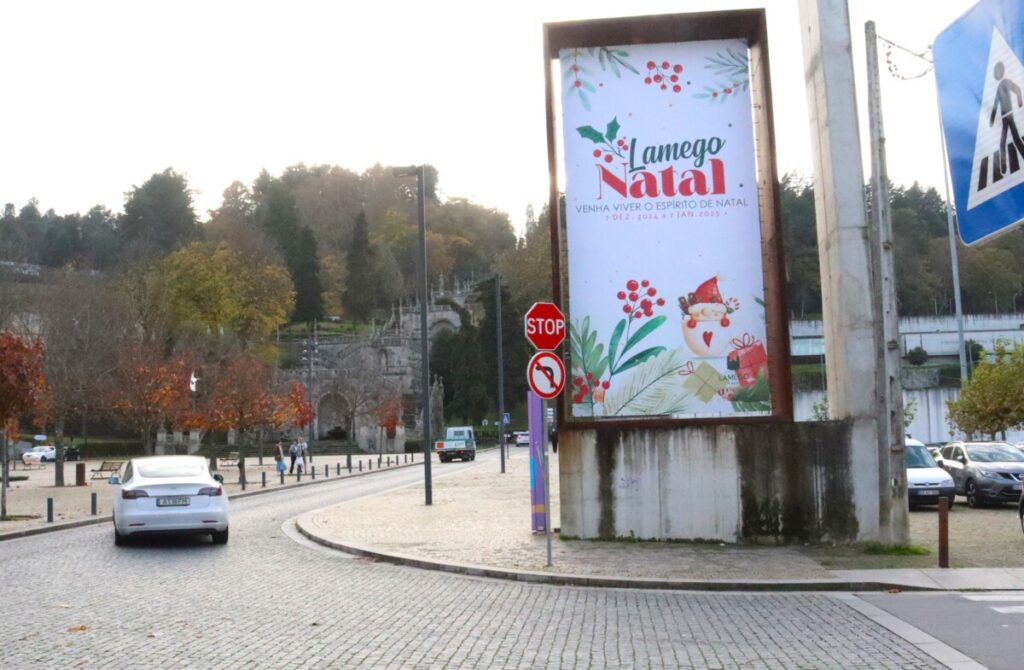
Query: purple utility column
x,y
538,494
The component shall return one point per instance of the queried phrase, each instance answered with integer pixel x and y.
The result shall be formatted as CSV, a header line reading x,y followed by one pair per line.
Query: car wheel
x,y
971,493
952,501
1022,519
220,536
119,540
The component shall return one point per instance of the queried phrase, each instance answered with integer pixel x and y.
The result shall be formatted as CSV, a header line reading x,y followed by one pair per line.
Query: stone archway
x,y
333,418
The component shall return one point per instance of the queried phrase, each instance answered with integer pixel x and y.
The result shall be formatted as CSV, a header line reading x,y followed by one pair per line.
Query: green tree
x,y
992,402
514,347
158,216
360,289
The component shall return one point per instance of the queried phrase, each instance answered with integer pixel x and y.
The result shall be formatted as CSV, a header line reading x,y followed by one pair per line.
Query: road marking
x,y
1018,609
1000,597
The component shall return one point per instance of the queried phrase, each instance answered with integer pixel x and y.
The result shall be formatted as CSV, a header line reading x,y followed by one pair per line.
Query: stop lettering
x,y
545,325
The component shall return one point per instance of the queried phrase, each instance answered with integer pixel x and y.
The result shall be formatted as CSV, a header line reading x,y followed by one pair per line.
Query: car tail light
x,y
132,494
210,491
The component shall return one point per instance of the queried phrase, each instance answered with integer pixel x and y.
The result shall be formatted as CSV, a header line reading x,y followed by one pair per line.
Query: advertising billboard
x,y
665,231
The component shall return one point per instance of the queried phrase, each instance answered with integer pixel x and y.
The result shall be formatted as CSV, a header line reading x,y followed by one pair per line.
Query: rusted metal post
x,y
943,532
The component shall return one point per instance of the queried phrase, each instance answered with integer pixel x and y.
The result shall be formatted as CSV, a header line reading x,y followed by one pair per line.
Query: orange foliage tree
x,y
149,391
241,400
22,386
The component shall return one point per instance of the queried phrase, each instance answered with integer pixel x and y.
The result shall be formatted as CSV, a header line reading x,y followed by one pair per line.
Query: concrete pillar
x,y
851,298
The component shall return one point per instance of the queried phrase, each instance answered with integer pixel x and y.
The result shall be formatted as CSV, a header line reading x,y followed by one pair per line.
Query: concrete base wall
x,y
806,482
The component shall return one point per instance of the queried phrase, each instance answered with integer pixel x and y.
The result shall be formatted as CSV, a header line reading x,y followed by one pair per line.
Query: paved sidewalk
x,y
479,524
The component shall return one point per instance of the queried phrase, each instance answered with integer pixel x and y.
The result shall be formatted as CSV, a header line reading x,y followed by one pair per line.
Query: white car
x,y
40,454
522,439
169,494
926,481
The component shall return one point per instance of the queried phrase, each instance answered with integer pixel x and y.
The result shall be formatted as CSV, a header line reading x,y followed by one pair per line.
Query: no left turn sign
x,y
546,374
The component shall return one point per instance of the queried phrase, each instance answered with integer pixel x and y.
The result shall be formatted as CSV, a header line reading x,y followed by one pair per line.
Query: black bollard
x,y
312,472
298,475
241,480
338,465
348,462
360,465
264,473
389,461
93,503
282,477
49,510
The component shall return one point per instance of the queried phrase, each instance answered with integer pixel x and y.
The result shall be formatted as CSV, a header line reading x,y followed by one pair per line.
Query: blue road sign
x,y
507,419
980,80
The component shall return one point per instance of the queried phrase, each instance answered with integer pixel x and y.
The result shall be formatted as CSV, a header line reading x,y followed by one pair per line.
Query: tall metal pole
x,y
501,373
954,261
3,471
424,348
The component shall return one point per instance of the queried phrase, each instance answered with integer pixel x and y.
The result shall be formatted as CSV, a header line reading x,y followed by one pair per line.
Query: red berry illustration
x,y
714,94
652,291
647,80
645,303
651,65
664,65
645,283
638,314
626,309
727,90
605,384
657,77
664,86
608,158
633,297
677,88
596,383
575,68
621,295
597,153
579,84
661,301
725,322
677,69
674,78
632,285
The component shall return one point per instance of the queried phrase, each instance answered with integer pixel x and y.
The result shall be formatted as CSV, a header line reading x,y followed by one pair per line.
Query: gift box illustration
x,y
706,318
748,358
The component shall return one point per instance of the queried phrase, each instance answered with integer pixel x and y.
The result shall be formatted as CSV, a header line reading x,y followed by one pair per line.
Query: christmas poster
x,y
665,286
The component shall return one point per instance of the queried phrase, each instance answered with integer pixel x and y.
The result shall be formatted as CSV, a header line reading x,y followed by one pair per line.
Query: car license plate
x,y
928,492
172,502
1015,487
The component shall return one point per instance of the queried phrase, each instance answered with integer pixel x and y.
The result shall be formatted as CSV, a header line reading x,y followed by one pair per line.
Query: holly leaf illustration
x,y
613,344
639,358
643,332
595,136
613,129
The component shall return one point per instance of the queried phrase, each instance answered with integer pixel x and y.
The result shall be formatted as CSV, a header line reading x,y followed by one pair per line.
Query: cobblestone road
x,y
73,600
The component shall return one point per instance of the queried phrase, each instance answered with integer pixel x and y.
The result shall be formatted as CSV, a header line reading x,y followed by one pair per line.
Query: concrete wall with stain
x,y
795,482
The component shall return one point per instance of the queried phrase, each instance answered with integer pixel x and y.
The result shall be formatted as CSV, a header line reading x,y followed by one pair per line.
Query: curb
x,y
558,579
79,523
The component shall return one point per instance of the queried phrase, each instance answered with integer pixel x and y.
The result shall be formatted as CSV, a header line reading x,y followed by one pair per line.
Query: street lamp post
x,y
501,373
418,172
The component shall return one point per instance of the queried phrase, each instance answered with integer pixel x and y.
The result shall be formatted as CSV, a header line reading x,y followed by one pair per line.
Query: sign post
x,y
980,78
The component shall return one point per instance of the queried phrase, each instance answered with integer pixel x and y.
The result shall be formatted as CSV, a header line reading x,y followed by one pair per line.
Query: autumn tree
x,y
214,288
992,402
241,401
79,324
21,389
150,392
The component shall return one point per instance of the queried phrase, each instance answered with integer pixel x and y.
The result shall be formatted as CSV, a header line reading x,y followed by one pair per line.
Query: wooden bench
x,y
231,460
107,469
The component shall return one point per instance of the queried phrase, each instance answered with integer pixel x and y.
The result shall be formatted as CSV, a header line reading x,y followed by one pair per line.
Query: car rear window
x,y
995,454
918,457
170,469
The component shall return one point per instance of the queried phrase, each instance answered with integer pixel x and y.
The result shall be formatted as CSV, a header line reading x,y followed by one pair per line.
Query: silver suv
x,y
984,472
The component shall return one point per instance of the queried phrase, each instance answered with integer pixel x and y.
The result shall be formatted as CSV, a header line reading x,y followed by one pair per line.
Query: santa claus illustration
x,y
706,318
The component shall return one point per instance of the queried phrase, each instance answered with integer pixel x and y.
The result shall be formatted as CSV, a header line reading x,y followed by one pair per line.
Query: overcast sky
x,y
100,95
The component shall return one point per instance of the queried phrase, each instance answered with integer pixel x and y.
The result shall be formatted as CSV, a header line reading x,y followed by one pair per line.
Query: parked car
x,y
169,494
41,454
72,454
522,438
985,472
927,483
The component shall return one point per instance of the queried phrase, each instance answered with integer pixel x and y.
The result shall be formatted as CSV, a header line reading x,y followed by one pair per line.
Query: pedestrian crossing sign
x,y
980,80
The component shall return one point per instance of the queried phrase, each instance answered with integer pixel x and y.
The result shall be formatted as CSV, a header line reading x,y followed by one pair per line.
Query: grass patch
x,y
879,549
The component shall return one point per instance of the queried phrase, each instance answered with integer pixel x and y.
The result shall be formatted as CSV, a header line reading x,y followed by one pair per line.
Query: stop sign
x,y
545,325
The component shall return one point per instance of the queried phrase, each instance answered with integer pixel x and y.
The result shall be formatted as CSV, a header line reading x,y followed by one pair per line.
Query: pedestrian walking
x,y
300,463
304,450
279,457
293,451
